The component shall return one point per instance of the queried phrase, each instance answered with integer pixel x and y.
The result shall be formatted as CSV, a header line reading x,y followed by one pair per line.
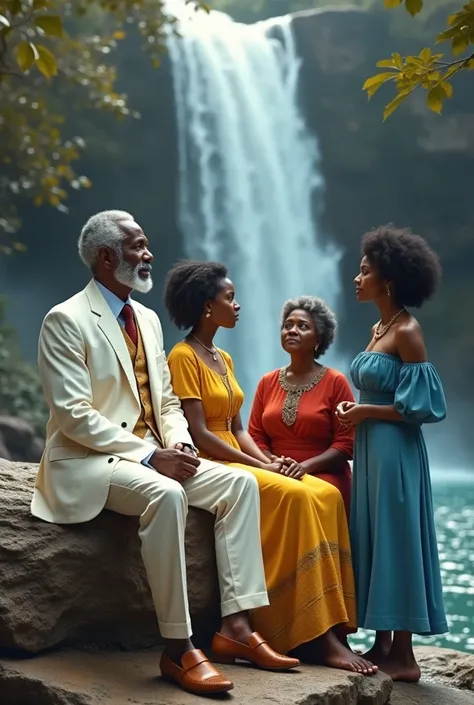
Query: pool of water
x,y
454,514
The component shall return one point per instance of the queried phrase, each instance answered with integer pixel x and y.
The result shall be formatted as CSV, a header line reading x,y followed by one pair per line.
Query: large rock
x,y
448,666
18,440
85,678
428,694
86,582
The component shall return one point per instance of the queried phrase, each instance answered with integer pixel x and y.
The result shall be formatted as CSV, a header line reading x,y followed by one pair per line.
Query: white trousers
x,y
232,496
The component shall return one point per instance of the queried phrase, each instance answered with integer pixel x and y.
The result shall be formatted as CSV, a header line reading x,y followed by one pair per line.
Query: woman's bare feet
x,y
336,655
408,671
401,663
380,648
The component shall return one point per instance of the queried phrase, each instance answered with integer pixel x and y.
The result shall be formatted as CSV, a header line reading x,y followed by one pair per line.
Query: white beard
x,y
129,276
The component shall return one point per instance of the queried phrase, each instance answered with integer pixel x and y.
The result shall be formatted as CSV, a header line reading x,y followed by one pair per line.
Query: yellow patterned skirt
x,y
307,557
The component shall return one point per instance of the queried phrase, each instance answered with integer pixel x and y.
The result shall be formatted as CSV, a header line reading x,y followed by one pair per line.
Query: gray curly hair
x,y
323,318
101,230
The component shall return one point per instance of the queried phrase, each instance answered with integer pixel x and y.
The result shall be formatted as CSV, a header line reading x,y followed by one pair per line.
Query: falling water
x,y
250,178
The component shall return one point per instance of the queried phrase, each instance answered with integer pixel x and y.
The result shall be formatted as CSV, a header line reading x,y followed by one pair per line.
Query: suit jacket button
x,y
124,424
111,460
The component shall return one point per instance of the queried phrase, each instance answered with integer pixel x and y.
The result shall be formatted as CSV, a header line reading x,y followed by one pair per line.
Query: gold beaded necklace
x,y
381,330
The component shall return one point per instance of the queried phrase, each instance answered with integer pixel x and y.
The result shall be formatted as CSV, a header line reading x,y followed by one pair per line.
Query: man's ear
x,y
107,258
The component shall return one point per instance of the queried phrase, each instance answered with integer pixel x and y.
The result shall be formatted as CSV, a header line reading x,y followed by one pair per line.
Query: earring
x,y
387,289
208,314
316,348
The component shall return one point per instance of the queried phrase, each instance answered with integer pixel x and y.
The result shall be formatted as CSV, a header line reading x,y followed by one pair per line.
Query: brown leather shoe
x,y
196,675
258,652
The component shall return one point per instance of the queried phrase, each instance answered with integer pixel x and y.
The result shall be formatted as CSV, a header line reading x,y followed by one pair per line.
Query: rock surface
x,y
429,694
86,583
87,678
18,440
447,666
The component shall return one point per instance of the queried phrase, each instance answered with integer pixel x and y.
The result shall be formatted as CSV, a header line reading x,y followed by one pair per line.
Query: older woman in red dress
x,y
294,410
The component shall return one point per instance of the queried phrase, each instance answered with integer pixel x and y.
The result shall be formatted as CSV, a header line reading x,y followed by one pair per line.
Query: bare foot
x,y
377,654
408,672
381,648
336,655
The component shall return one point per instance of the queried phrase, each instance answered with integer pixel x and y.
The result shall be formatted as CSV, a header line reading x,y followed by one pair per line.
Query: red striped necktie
x,y
130,325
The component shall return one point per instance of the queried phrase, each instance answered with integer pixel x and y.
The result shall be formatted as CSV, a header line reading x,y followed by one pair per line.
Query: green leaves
x,y
426,70
37,164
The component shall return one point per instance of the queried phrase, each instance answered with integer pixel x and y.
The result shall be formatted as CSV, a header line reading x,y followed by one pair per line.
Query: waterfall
x,y
249,178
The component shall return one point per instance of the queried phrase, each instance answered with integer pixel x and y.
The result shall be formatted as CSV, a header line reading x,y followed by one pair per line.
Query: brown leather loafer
x,y
258,652
196,675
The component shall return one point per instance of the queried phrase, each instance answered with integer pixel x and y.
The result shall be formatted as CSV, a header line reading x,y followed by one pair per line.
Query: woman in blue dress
x,y
394,548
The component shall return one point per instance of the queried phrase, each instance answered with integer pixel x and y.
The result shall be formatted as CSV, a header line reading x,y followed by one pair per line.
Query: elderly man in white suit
x,y
117,439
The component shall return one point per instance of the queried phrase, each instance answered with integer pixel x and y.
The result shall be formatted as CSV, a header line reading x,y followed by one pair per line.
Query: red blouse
x,y
316,428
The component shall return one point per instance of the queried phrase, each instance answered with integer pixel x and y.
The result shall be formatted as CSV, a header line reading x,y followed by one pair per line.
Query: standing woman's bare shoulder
x,y
409,341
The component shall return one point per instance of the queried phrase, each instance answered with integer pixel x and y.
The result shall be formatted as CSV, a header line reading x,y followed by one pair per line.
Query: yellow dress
x,y
304,533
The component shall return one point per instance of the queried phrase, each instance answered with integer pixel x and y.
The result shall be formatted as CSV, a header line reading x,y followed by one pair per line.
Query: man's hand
x,y
175,464
185,448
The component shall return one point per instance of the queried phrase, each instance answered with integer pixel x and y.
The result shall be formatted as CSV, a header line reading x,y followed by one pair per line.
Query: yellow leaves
x,y
411,6
411,72
119,34
414,6
51,25
393,105
46,62
460,30
435,99
447,88
26,54
460,41
373,83
41,4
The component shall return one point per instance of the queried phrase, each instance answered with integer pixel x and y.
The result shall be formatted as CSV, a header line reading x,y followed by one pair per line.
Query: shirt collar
x,y
114,302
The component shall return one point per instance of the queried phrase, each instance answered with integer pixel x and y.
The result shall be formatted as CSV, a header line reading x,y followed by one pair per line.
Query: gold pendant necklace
x,y
212,351
380,331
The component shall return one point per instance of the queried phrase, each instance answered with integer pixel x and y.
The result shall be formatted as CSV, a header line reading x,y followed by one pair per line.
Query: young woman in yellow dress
x,y
304,532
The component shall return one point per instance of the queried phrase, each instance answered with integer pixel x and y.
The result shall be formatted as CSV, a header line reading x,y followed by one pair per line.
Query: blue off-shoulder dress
x,y
393,537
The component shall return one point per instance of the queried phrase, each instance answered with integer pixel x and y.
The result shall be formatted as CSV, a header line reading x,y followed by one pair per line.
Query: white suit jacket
x,y
89,383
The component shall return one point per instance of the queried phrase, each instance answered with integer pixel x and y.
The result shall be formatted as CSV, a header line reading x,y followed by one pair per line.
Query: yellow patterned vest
x,y
146,420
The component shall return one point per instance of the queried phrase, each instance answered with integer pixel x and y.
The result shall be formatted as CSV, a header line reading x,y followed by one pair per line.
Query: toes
x,y
365,667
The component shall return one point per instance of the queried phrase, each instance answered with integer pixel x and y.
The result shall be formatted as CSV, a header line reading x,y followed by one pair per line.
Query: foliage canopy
x,y
71,41
429,70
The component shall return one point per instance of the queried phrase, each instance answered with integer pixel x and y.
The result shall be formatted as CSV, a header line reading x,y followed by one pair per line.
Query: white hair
x,y
101,230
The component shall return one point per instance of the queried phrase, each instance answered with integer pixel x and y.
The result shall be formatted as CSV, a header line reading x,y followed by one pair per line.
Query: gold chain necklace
x,y
294,393
212,351
380,331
